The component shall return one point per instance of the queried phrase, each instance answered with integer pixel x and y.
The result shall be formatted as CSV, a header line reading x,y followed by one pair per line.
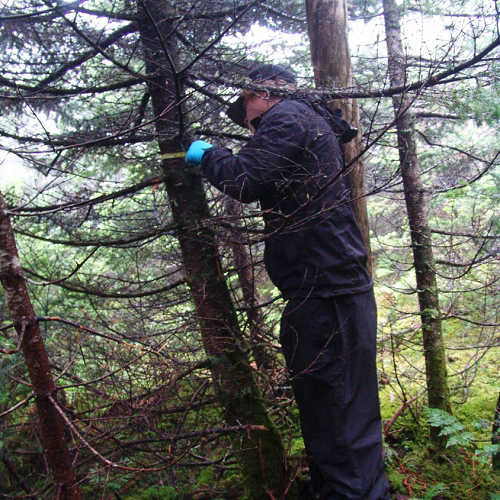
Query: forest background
x,y
139,331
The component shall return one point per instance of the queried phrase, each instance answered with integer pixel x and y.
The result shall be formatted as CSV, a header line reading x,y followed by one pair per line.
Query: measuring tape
x,y
171,156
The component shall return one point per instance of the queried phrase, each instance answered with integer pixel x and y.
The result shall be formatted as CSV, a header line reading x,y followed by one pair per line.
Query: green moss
x,y
205,479
396,479
297,447
453,472
160,493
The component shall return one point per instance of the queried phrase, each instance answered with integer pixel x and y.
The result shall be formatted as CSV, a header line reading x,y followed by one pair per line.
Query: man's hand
x,y
196,151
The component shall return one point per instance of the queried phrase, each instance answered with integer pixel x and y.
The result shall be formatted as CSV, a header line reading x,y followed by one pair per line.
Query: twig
x,y
19,343
18,405
405,405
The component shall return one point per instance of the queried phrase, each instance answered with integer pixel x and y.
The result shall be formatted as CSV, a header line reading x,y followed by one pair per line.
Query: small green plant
x,y
450,426
432,492
389,454
480,424
486,454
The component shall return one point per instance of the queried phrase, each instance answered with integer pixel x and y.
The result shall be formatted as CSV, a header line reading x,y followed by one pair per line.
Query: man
x,y
315,255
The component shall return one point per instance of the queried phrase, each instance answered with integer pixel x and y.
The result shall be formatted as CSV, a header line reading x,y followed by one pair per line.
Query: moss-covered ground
x,y
419,470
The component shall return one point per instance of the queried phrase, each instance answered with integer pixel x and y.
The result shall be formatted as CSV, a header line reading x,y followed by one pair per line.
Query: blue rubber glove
x,y
196,151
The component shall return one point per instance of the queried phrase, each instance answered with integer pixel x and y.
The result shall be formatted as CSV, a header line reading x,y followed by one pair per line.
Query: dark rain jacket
x,y
293,166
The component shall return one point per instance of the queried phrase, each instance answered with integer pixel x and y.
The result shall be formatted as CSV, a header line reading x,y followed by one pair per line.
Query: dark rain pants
x,y
329,346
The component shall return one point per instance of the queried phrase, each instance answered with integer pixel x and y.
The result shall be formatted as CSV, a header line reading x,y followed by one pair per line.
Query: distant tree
x,y
331,60
455,165
37,362
423,258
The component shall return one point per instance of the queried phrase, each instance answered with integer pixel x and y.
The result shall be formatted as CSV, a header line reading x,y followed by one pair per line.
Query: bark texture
x,y
331,59
260,449
37,362
423,258
255,318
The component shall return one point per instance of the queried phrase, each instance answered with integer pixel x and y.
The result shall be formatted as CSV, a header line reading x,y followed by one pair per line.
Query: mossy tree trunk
x,y
423,258
25,321
260,449
331,59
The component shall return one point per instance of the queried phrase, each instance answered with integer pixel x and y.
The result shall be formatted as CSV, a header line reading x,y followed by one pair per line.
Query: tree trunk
x,y
255,318
331,59
260,449
495,435
423,258
37,361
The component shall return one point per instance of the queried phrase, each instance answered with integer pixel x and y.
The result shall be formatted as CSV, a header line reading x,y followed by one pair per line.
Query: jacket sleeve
x,y
265,162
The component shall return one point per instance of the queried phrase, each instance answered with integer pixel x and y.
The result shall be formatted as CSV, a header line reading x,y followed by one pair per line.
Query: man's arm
x,y
265,161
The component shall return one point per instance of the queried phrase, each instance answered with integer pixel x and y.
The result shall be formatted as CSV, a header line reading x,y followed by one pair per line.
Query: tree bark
x,y
37,361
260,449
423,258
331,59
255,317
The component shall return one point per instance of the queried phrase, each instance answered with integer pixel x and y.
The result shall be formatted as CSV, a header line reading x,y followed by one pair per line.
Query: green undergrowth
x,y
452,473
461,469
202,483
159,493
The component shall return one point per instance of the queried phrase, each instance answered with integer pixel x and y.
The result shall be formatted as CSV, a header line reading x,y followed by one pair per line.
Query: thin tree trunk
x,y
331,59
260,449
423,258
17,478
495,435
242,261
37,362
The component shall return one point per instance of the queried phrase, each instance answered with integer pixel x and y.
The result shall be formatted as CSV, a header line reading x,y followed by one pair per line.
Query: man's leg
x,y
329,346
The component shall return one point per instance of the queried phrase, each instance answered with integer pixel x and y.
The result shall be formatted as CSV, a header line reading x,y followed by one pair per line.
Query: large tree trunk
x,y
260,449
423,258
37,360
331,59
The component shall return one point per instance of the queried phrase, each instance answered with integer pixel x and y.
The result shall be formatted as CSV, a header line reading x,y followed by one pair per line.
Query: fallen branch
x,y
388,425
